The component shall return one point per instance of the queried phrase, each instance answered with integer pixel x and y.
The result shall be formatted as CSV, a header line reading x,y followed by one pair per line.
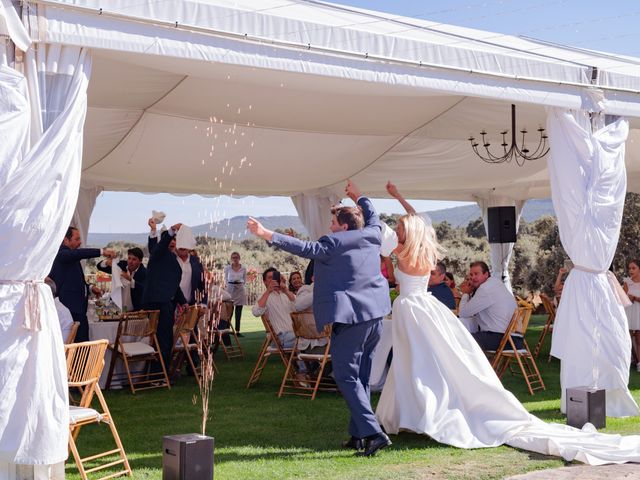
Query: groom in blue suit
x,y
350,292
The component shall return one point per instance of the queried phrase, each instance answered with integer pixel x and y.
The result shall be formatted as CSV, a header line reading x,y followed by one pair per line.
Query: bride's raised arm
x,y
393,191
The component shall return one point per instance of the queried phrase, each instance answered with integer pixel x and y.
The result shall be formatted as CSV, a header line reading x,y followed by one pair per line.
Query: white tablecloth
x,y
108,331
379,365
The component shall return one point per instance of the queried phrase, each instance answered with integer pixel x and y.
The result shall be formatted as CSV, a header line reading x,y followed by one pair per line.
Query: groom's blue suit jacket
x,y
348,286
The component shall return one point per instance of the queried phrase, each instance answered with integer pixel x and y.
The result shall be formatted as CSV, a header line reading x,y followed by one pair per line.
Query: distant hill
x,y
235,228
232,228
461,216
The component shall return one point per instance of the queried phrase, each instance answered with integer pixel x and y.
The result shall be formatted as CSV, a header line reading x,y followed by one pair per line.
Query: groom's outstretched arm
x,y
369,214
317,250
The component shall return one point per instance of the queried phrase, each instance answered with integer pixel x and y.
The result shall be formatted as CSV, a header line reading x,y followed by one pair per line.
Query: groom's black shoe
x,y
374,443
353,443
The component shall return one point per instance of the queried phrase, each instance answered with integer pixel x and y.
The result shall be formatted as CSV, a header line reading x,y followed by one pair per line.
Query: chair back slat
x,y
226,310
304,325
523,315
85,362
549,307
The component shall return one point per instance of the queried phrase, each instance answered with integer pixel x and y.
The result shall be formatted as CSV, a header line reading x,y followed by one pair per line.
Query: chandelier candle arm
x,y
512,151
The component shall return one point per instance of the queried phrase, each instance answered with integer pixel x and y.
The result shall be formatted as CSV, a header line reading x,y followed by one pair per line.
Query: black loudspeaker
x,y
502,224
187,457
586,405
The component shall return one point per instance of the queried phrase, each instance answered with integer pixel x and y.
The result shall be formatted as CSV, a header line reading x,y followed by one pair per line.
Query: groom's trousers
x,y
352,349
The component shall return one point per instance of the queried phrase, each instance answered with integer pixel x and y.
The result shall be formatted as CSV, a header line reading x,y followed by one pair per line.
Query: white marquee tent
x,y
284,97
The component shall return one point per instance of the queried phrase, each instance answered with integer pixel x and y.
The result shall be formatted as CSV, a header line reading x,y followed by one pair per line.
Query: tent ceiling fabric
x,y
202,108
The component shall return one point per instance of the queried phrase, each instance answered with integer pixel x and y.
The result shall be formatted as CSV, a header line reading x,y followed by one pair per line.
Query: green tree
x,y
629,242
475,228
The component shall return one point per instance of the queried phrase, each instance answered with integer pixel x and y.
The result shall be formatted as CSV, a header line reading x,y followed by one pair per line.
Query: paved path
x,y
627,471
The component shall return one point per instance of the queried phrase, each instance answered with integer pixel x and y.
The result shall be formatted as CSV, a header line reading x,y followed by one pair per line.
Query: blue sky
x,y
589,24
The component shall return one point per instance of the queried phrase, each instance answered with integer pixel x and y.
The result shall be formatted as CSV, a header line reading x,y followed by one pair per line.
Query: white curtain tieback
x,y
621,296
31,303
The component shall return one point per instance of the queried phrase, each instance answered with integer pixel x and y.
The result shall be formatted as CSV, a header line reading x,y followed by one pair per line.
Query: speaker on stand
x,y
502,224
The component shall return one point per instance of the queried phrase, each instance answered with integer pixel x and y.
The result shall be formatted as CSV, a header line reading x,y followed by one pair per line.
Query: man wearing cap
x,y
133,275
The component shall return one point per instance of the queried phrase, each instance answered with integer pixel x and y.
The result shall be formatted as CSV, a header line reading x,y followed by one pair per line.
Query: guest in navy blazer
x,y
350,292
133,272
192,285
162,289
68,276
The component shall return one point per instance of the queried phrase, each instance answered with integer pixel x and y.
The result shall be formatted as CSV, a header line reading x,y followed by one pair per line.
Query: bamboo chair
x,y
507,351
304,326
550,308
185,340
143,347
85,362
234,349
270,347
72,333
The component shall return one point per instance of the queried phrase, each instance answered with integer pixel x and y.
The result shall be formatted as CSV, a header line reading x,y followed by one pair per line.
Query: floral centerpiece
x,y
252,274
393,293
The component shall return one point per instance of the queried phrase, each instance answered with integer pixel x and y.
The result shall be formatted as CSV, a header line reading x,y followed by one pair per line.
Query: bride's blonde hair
x,y
421,248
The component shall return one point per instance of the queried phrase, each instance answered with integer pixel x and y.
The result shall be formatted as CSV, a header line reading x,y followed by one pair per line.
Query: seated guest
x,y
304,298
304,301
64,315
133,275
438,287
277,302
450,281
493,305
295,282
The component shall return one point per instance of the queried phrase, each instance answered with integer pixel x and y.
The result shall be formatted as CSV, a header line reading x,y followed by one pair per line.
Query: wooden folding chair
x,y
72,333
507,350
85,362
136,341
271,346
234,349
304,326
185,340
550,308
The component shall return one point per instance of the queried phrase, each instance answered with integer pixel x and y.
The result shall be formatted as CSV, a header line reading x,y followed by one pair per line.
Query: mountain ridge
x,y
234,228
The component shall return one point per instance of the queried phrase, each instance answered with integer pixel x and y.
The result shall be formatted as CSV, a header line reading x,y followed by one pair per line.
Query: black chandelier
x,y
520,154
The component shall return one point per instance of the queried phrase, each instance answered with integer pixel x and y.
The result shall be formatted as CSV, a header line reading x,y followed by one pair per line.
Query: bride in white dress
x,y
440,382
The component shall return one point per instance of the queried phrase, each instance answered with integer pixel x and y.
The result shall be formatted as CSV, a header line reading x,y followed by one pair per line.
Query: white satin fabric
x,y
588,184
314,210
441,384
41,120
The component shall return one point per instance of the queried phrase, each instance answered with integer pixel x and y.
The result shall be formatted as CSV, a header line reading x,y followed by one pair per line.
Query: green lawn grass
x,y
258,436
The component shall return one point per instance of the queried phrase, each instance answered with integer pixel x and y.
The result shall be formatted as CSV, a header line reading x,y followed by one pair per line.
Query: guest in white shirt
x,y
277,302
304,301
304,298
64,315
492,304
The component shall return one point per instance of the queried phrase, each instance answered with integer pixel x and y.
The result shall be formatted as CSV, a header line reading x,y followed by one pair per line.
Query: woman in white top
x,y
631,285
235,276
440,382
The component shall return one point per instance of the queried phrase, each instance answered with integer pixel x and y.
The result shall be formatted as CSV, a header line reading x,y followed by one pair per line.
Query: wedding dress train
x,y
441,384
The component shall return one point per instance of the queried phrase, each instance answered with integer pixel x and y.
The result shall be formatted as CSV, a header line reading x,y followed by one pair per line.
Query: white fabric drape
x,y
500,253
588,184
11,26
315,212
84,207
41,120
